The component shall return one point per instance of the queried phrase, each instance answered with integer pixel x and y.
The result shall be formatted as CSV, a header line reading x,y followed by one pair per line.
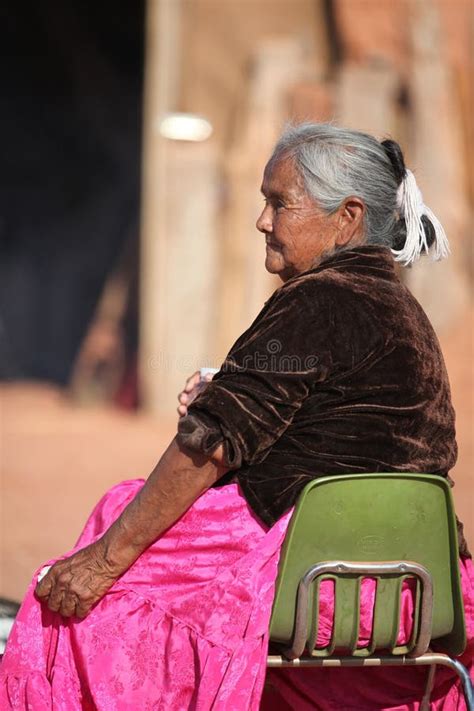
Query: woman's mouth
x,y
272,245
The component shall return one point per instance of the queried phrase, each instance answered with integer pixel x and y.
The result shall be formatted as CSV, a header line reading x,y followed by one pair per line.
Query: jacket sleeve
x,y
262,383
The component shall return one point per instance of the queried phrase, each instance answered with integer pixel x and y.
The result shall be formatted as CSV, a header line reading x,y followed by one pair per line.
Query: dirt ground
x,y
57,459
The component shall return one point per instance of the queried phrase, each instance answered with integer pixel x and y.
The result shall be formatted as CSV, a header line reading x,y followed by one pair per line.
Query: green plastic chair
x,y
389,527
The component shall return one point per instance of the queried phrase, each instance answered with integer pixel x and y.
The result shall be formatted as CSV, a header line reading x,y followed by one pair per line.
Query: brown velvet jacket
x,y
340,372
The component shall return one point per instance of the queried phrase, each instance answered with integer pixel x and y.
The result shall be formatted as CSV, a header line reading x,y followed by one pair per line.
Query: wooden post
x,y
438,161
177,231
245,285
366,97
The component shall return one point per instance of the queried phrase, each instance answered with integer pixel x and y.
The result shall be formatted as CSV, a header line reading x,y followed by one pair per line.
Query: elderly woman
x,y
165,602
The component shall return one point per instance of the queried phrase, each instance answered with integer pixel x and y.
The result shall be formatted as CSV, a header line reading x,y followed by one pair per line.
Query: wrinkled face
x,y
298,234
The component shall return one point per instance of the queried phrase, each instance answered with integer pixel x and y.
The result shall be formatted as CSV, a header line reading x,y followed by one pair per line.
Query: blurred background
x,y
133,138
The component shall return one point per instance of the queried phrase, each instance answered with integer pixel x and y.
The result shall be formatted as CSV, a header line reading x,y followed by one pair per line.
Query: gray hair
x,y
336,163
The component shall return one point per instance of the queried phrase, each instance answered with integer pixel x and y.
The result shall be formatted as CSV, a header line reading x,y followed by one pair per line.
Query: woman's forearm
x,y
76,583
178,479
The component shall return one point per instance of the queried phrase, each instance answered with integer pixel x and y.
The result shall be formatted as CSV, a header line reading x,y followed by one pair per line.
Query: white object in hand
x,y
205,376
204,372
43,572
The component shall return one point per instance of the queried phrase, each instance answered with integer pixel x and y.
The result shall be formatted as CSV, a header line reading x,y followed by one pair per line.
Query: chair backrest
x,y
373,518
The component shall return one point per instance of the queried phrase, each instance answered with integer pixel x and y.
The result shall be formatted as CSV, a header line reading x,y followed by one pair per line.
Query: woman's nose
x,y
265,222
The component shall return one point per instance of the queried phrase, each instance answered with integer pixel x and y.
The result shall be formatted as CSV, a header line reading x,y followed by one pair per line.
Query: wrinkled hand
x,y
75,584
194,385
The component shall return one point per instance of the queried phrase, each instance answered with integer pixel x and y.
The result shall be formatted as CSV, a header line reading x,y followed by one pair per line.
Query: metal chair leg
x,y
425,702
466,682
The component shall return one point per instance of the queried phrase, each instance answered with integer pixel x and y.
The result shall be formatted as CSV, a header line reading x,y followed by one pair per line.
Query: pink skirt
x,y
186,628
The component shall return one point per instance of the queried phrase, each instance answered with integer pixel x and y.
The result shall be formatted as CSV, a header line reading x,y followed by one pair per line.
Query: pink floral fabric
x,y
186,629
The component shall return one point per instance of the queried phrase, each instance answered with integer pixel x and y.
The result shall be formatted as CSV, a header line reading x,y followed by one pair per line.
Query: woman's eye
x,y
276,204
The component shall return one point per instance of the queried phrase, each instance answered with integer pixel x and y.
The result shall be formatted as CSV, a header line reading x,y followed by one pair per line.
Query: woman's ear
x,y
351,220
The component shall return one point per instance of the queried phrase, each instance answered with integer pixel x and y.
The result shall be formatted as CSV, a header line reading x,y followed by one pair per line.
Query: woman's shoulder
x,y
363,278
348,270
329,285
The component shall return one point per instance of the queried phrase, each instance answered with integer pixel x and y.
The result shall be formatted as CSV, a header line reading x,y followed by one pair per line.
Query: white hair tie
x,y
412,208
